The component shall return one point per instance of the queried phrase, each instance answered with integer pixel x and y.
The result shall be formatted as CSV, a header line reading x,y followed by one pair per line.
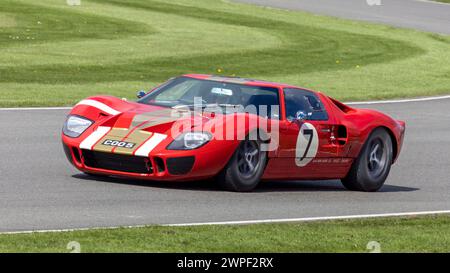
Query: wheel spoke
x,y
247,158
376,158
250,166
377,161
374,151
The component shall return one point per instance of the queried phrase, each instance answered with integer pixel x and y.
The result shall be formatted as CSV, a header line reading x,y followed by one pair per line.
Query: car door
x,y
307,148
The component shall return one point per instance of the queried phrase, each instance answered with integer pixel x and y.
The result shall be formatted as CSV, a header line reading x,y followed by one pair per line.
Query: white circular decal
x,y
307,145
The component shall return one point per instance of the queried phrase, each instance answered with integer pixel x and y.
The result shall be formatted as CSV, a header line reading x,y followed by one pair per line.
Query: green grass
x,y
52,54
442,1
413,234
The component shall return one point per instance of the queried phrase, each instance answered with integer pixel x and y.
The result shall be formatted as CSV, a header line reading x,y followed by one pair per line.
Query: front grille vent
x,y
117,162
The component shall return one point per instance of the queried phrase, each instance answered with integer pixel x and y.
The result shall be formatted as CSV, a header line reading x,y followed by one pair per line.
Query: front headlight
x,y
189,141
75,126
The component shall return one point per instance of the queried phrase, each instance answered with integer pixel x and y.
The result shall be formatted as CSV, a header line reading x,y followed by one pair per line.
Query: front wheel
x,y
371,168
245,168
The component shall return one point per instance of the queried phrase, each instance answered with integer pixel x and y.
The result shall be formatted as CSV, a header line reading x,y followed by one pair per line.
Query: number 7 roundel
x,y
307,145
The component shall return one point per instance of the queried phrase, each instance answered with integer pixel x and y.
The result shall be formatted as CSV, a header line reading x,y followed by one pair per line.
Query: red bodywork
x,y
341,138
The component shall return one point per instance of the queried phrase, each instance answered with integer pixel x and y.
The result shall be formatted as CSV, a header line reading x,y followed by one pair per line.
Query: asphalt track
x,y
421,15
40,190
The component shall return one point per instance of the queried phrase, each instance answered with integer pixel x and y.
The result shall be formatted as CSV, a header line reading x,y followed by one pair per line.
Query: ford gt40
x,y
237,131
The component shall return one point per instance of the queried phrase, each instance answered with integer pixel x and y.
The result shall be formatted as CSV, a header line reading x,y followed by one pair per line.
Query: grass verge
x,y
411,234
53,54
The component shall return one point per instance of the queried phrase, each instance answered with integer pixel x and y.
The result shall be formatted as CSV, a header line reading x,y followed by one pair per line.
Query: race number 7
x,y
310,133
307,145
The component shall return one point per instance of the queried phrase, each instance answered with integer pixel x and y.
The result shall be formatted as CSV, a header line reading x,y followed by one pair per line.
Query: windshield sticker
x,y
222,91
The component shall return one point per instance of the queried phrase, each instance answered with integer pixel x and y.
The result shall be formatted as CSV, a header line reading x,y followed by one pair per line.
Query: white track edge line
x,y
245,222
34,108
432,2
312,219
399,100
349,103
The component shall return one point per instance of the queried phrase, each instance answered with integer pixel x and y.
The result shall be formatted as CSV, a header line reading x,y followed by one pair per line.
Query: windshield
x,y
185,91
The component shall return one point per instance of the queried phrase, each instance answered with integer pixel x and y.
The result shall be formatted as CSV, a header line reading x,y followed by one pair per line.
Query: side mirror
x,y
140,94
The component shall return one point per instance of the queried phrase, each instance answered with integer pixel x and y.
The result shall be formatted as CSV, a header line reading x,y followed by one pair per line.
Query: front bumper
x,y
163,166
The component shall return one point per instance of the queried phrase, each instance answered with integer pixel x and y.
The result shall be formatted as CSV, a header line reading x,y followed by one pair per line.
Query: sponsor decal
x,y
123,141
118,134
116,143
332,160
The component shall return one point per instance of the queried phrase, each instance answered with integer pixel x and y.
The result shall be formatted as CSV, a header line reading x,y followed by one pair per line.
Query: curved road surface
x,y
421,15
39,190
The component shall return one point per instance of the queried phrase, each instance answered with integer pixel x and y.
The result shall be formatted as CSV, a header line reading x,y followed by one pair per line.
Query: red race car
x,y
238,131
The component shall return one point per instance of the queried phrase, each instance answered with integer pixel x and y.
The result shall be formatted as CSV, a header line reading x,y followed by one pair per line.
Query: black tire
x,y
370,170
234,176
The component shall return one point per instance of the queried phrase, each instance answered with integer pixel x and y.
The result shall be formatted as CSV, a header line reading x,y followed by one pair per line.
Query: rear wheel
x,y
245,168
371,168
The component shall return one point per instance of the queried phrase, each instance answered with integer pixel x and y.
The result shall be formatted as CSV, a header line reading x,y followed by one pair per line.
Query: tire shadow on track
x,y
265,186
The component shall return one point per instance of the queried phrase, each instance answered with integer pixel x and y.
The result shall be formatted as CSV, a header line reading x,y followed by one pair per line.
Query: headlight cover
x,y
75,126
190,141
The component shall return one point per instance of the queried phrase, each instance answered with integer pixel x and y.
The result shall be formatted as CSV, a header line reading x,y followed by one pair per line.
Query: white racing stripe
x,y
93,138
307,219
150,144
101,106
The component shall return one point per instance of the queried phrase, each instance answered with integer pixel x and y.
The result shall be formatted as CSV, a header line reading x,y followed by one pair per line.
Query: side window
x,y
306,101
262,101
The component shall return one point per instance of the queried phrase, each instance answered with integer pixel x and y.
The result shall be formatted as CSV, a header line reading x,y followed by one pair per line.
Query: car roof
x,y
245,81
